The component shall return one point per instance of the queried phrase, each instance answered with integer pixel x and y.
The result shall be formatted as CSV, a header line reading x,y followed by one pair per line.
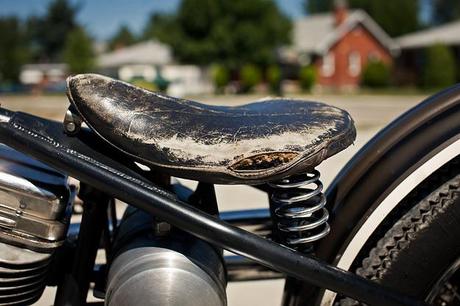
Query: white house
x,y
147,60
34,74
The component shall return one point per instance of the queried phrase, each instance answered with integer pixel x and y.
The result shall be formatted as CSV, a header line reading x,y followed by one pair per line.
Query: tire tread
x,y
404,231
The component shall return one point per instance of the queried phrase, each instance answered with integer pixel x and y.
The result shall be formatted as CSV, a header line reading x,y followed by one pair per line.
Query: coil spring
x,y
299,209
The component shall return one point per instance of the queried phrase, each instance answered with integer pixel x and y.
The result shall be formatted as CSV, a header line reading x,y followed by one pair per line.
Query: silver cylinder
x,y
163,267
159,276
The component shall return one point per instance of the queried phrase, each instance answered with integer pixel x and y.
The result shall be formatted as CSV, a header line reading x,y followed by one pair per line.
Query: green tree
x,y
32,29
162,27
395,17
274,79
440,67
220,77
50,32
228,32
122,38
445,11
376,74
318,6
13,49
78,52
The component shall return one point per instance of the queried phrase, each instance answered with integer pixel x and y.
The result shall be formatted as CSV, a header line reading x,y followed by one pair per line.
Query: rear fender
x,y
385,170
374,181
414,139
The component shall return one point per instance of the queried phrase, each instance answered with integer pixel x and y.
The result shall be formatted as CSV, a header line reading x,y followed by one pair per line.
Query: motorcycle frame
x,y
94,162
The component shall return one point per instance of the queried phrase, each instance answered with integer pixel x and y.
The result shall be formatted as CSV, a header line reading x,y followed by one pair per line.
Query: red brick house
x,y
339,45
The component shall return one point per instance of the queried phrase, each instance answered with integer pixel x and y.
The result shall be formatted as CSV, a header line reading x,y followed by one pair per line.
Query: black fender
x,y
378,168
388,158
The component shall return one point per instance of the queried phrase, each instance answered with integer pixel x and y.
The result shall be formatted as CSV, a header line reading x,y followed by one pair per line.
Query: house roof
x,y
148,52
45,67
318,33
445,34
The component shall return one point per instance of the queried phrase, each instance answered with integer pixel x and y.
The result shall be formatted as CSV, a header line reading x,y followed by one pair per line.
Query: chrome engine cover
x,y
164,268
34,200
35,208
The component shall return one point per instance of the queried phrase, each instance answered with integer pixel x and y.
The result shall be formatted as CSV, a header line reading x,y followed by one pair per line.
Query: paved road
x,y
368,111
371,113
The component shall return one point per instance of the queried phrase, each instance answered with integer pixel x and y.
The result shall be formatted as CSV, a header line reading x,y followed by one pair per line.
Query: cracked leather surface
x,y
249,144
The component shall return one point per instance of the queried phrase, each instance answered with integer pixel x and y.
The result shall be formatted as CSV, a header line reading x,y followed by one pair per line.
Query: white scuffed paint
x,y
217,152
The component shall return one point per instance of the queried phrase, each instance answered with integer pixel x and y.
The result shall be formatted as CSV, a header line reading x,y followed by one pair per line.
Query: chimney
x,y
340,11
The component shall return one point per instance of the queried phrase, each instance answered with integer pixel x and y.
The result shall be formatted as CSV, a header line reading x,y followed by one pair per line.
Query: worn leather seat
x,y
249,144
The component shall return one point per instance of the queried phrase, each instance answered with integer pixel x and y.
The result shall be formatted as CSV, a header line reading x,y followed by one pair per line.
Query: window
x,y
373,56
354,64
328,67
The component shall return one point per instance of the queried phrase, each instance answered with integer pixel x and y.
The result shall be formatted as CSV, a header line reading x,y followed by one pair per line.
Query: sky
x,y
102,18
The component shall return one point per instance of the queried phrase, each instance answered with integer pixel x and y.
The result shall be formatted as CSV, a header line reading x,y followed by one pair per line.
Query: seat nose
x,y
92,91
100,102
84,86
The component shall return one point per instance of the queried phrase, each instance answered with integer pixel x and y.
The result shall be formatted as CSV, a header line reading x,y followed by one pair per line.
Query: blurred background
x,y
195,47
374,58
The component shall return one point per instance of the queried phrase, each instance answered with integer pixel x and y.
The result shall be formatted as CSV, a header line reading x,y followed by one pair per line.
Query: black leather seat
x,y
248,144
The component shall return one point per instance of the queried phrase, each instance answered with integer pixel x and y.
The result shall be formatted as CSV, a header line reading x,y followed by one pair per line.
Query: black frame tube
x,y
74,290
39,138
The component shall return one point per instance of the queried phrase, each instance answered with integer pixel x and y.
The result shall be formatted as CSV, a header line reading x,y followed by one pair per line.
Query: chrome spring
x,y
298,205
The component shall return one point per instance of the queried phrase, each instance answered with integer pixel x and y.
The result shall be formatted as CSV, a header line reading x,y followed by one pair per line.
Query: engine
x,y
150,262
35,207
155,264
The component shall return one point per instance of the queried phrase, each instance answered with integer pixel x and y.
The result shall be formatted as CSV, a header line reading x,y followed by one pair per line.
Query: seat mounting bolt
x,y
72,122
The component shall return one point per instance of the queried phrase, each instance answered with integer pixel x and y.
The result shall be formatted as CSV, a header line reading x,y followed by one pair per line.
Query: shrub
x,y
144,84
250,76
439,70
376,74
220,77
307,77
161,83
274,79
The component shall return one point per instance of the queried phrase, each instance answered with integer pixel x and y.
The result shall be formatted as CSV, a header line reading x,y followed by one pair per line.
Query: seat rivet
x,y
72,122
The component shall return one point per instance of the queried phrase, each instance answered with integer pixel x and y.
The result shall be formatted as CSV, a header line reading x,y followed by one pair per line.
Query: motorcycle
x,y
386,232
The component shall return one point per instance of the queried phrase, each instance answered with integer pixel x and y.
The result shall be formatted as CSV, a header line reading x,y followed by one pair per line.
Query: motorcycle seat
x,y
249,144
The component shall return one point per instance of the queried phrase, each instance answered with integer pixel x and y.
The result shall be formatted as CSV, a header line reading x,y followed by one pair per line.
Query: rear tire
x,y
420,248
